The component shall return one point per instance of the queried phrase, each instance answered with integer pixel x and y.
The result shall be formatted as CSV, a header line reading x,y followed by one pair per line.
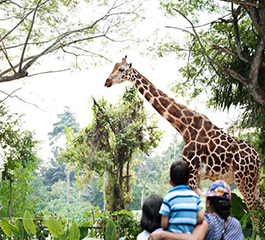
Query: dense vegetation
x,y
101,173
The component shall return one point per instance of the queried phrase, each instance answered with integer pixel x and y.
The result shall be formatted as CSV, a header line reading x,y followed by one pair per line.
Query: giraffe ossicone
x,y
210,152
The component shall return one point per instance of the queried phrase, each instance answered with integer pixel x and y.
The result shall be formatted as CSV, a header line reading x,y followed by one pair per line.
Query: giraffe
x,y
210,152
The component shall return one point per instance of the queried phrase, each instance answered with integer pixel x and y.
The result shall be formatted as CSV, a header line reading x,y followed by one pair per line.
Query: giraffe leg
x,y
250,190
248,193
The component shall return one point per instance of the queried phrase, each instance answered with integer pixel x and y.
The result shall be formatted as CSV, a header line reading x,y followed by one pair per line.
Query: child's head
x,y
151,219
179,173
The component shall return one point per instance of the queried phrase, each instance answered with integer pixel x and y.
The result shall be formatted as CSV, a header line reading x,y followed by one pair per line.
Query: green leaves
x,y
9,229
74,233
105,224
55,227
111,231
28,223
109,142
18,154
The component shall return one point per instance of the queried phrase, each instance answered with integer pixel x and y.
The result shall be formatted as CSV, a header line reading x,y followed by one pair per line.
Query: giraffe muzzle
x,y
108,83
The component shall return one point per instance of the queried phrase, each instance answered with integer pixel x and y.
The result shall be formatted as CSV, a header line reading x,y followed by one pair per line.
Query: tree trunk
x,y
67,186
10,199
120,181
128,177
104,191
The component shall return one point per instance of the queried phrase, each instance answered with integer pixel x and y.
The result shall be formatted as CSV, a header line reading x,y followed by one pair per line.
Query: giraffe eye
x,y
121,69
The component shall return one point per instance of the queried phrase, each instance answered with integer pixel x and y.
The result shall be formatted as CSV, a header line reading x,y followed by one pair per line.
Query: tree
x,y
18,153
66,119
225,56
115,134
32,30
231,47
152,173
56,203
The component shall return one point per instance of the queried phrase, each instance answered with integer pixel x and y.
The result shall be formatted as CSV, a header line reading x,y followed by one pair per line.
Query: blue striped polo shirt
x,y
181,205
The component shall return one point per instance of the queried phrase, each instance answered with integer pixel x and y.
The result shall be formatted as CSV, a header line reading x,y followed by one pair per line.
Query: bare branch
x,y
181,29
90,53
237,35
242,3
252,12
199,40
6,55
8,95
15,96
10,69
55,71
259,51
29,33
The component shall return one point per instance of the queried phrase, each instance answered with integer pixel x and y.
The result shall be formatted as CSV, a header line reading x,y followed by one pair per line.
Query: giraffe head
x,y
117,73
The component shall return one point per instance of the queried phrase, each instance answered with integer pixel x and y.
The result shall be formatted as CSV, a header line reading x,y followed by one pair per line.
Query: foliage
x,y
225,56
125,222
111,231
248,218
67,119
33,29
152,173
41,226
53,187
55,202
109,142
19,159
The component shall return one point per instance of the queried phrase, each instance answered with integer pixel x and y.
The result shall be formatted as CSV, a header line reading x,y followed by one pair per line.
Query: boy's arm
x,y
164,222
200,216
198,234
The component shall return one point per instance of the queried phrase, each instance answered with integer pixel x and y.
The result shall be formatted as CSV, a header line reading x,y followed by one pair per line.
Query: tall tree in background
x,y
115,134
225,56
66,120
31,30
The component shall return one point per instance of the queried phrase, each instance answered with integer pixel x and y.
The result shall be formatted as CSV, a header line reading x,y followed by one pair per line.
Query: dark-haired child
x,y
181,209
151,219
220,225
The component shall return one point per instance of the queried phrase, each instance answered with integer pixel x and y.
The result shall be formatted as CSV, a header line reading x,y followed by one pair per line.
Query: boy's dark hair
x,y
151,219
221,206
179,173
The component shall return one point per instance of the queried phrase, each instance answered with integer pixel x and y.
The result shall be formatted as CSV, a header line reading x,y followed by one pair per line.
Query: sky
x,y
52,92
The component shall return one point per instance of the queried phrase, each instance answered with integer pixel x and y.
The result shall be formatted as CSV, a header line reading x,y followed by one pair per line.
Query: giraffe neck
x,y
190,124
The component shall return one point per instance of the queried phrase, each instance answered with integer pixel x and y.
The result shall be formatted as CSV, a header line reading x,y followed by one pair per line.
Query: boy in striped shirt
x,y
181,209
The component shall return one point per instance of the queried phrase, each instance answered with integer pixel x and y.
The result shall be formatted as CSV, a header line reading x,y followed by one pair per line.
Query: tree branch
x,y
55,71
6,55
15,96
29,33
105,25
199,40
251,83
236,30
241,3
259,51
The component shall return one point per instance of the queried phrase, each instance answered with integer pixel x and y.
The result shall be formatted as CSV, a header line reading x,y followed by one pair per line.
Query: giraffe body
x,y
210,153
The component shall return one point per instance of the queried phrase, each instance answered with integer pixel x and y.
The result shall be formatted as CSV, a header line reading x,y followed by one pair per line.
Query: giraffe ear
x,y
130,65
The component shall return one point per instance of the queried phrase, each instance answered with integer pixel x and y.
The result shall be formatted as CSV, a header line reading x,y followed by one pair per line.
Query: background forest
x,y
76,159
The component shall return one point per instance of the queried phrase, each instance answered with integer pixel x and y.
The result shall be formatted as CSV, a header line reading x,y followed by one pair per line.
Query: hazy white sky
x,y
51,92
